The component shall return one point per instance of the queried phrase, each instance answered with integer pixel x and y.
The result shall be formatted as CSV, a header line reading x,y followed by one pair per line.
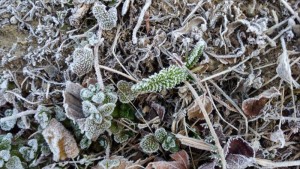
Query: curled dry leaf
x,y
124,163
194,109
160,110
61,142
72,101
181,161
253,106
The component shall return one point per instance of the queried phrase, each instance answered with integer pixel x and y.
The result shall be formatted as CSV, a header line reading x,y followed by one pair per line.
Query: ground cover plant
x,y
165,84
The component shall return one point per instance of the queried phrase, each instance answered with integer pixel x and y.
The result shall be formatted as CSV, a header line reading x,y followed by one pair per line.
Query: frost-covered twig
x,y
290,9
117,72
272,164
96,61
210,125
140,20
15,116
192,12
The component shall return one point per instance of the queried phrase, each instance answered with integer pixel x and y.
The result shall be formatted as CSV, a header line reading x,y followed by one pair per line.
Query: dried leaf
x,y
181,162
194,109
72,101
278,136
238,146
61,142
160,110
253,106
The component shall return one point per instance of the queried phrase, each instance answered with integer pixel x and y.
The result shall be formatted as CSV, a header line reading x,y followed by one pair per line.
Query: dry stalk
x,y
140,20
192,12
15,116
195,143
117,72
268,163
210,126
96,61
233,103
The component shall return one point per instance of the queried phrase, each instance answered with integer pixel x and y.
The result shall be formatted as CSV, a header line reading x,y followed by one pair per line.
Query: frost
x,y
109,164
42,116
106,19
13,163
83,60
9,124
62,144
149,144
98,97
124,91
160,134
59,113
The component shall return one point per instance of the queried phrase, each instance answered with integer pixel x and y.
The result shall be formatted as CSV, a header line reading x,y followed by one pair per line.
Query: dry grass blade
x,y
195,143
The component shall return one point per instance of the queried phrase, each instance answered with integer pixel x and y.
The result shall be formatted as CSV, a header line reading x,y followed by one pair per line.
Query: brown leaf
x,y
72,101
61,142
160,110
181,162
253,106
194,109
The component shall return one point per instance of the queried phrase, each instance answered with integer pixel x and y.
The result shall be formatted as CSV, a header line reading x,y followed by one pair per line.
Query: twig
x,y
268,163
233,103
192,12
210,126
195,143
96,61
140,20
117,72
22,98
290,9
15,116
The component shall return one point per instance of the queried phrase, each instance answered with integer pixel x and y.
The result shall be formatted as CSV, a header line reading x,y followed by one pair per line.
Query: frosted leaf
x,y
194,56
121,137
61,142
109,164
43,118
9,124
83,61
1,163
149,144
86,94
94,88
92,38
278,137
13,163
92,129
33,144
21,124
45,150
59,113
107,109
106,123
97,117
89,108
27,153
167,78
106,19
169,143
124,91
110,97
160,134
85,143
4,155
98,97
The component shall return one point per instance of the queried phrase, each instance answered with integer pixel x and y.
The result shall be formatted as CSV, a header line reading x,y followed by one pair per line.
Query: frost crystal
x,y
9,124
62,144
124,91
195,54
13,163
149,144
83,60
160,134
165,79
42,116
109,164
106,19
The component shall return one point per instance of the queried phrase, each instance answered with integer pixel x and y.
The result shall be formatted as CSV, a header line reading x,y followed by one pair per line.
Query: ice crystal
x,y
106,19
124,91
160,134
13,163
195,54
149,144
83,60
167,78
9,124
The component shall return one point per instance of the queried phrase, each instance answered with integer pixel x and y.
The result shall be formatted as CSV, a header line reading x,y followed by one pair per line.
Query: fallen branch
x,y
15,116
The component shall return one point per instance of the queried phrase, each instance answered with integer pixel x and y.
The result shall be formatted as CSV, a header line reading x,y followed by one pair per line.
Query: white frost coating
x,y
284,69
125,7
140,20
61,143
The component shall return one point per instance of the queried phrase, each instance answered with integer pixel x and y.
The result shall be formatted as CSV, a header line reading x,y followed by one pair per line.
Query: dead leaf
x,y
194,109
253,106
181,161
61,142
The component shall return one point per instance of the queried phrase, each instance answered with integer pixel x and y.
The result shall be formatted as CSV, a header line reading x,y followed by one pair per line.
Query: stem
x,y
118,72
96,61
15,116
